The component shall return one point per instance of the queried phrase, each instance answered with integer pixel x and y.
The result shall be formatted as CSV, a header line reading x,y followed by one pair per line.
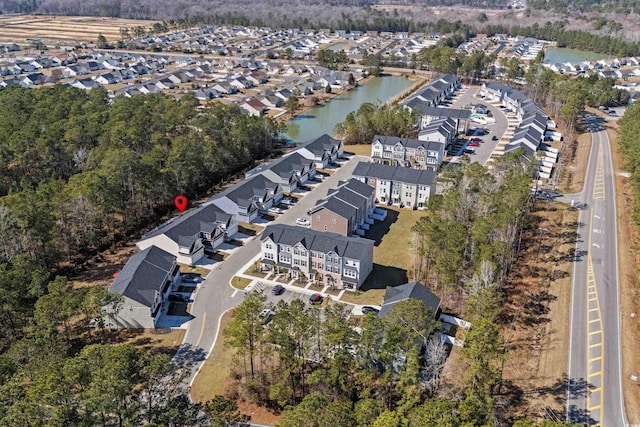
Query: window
x,y
295,251
303,252
303,263
325,228
296,261
317,217
268,255
350,273
333,220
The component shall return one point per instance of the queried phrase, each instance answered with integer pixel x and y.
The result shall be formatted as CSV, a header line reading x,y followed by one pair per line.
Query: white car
x,y
303,221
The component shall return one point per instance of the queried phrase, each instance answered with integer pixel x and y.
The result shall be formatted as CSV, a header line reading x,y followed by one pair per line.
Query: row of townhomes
x,y
534,126
347,210
149,276
397,185
328,258
414,153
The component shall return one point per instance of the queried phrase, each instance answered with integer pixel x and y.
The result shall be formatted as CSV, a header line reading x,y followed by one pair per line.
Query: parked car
x,y
612,112
276,210
368,309
278,290
475,139
474,144
315,299
494,138
192,278
290,201
469,151
303,221
265,316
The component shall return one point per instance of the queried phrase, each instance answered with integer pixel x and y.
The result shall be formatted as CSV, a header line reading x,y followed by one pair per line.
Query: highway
x,y
594,390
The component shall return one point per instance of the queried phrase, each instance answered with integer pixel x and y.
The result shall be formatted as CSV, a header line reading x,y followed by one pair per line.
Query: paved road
x,y
483,152
216,295
594,394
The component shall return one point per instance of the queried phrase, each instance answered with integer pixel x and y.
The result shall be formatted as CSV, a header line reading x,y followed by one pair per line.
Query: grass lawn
x,y
155,340
211,379
392,255
198,270
249,229
240,282
359,149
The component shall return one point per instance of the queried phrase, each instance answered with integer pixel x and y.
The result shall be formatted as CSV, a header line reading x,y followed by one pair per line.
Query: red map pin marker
x,y
181,203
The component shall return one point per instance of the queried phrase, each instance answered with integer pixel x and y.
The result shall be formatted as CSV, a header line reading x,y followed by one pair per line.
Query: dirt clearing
x,y
536,315
60,29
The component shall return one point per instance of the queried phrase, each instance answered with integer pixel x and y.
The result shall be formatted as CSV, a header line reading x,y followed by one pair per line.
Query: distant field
x,y
55,29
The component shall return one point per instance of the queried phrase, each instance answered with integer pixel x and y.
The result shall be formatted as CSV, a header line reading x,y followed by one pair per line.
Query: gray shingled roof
x,y
395,173
408,143
188,226
143,275
350,247
416,290
322,143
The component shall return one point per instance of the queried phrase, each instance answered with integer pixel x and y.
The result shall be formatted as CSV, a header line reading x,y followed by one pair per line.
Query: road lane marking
x,y
234,293
197,344
595,331
599,182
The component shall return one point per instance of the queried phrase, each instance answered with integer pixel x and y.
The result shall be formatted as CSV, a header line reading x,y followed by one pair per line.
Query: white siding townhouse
x,y
443,131
289,171
189,236
247,199
145,282
323,150
396,185
414,153
328,258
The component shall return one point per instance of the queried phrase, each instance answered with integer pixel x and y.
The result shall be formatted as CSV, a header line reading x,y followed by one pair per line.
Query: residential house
x,y
397,185
346,210
254,107
206,94
145,282
323,150
190,236
413,290
328,258
290,171
443,131
391,150
250,197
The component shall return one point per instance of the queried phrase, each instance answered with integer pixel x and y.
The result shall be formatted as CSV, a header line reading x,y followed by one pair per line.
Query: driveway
x,y
216,295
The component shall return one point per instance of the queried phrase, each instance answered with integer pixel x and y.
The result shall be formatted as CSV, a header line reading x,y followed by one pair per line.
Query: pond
x,y
562,54
323,119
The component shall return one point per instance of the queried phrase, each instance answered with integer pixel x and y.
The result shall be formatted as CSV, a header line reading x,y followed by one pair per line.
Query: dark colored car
x,y
278,290
367,309
494,138
315,299
178,298
192,278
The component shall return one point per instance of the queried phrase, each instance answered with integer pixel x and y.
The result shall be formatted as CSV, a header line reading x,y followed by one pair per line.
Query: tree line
x,y
360,126
629,126
78,173
322,368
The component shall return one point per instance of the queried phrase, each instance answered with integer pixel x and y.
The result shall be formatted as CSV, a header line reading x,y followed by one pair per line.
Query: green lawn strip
x,y
240,282
211,379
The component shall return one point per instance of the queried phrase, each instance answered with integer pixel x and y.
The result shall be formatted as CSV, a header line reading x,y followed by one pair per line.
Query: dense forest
x,y
322,371
78,173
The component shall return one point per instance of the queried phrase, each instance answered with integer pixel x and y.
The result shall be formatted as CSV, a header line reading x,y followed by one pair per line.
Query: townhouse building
x,y
145,283
247,199
190,236
396,185
414,153
328,258
346,210
323,150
